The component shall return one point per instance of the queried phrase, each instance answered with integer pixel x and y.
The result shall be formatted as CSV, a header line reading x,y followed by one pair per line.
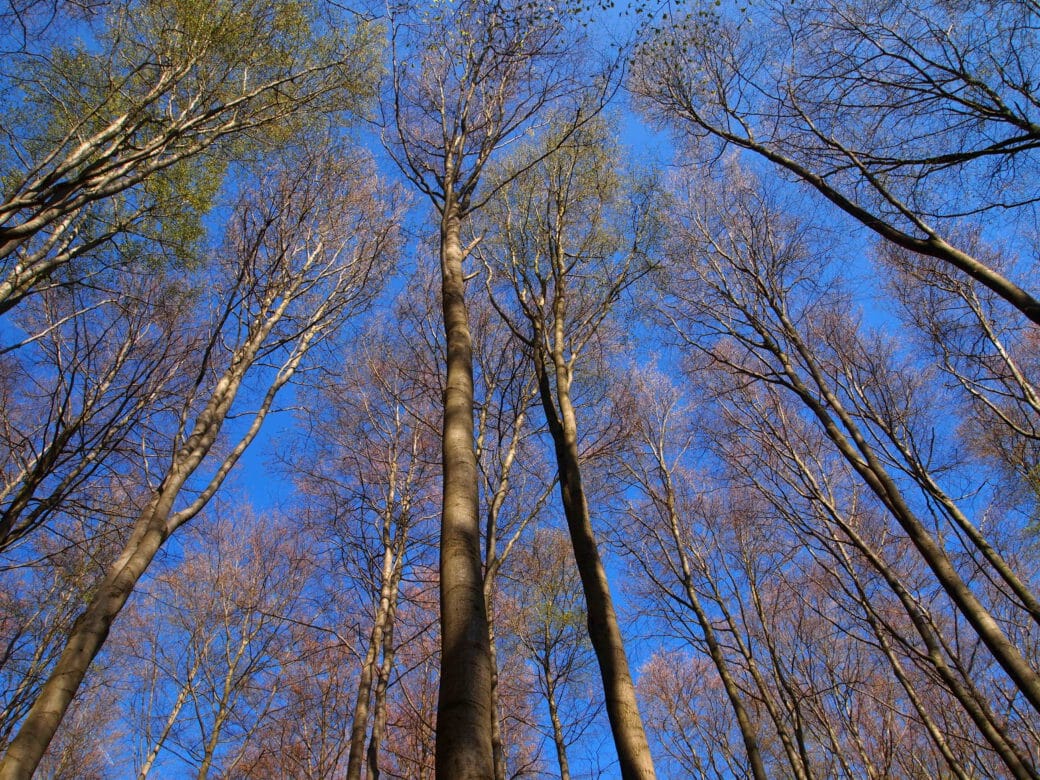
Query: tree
x,y
210,641
563,268
909,120
989,355
128,132
367,475
653,460
40,597
102,364
463,88
300,257
547,618
750,306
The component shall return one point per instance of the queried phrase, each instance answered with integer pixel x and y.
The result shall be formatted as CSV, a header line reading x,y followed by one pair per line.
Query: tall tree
x,y
211,641
468,79
300,257
547,617
749,305
126,131
563,265
653,459
102,364
908,119
367,474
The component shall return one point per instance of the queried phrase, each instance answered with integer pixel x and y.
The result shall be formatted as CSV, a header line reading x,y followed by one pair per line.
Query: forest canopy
x,y
510,389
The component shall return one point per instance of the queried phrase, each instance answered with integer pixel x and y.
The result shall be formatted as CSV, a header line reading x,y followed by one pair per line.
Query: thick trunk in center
x,y
464,705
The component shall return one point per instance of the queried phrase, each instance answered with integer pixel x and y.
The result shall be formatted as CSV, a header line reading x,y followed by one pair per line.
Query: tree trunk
x,y
557,726
88,635
464,704
379,713
626,724
861,456
384,610
171,719
497,751
715,650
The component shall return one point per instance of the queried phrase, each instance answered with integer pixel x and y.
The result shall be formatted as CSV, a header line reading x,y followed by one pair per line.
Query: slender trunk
x,y
497,752
151,530
622,709
938,738
379,712
765,693
557,726
492,563
747,729
386,663
359,725
790,698
464,715
853,446
959,683
175,711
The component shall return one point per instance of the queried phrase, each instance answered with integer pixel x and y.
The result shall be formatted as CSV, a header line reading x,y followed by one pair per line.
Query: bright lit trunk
x,y
464,711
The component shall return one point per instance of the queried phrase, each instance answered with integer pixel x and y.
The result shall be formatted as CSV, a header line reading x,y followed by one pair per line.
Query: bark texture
x,y
626,724
464,712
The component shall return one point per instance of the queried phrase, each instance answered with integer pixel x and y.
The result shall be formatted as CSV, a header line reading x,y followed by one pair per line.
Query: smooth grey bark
x,y
464,712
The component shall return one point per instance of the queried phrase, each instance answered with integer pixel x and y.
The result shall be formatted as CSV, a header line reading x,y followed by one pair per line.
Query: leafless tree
x,y
753,305
302,254
547,617
563,267
911,120
211,643
103,364
467,81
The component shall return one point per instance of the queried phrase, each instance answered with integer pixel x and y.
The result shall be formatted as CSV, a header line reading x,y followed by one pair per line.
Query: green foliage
x,y
138,121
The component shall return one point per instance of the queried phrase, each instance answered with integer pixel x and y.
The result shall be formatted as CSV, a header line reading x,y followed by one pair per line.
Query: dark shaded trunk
x,y
626,725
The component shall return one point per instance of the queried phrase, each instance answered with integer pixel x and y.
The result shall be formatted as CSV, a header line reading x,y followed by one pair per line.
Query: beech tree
x,y
40,600
296,263
757,314
816,457
991,357
102,363
125,133
563,269
367,475
547,617
211,643
653,460
908,119
468,79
